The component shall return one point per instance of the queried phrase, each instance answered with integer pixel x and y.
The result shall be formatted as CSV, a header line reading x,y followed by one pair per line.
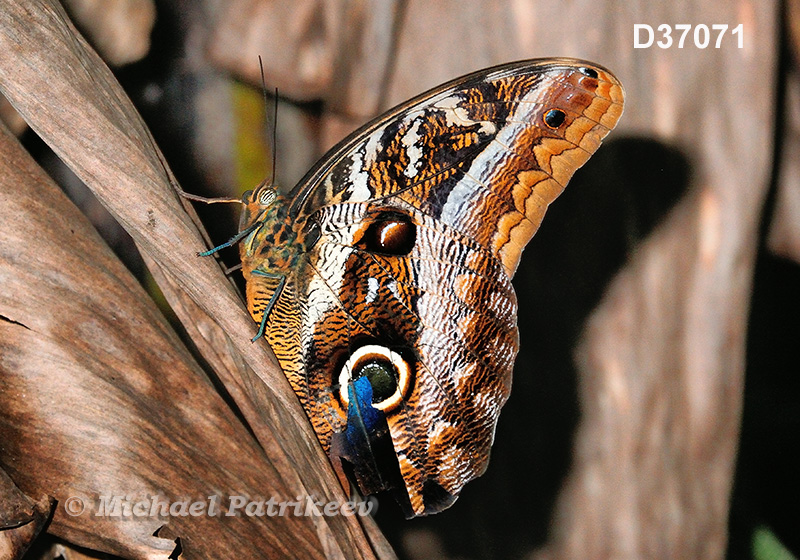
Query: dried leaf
x,y
119,29
307,34
71,100
21,518
99,396
784,234
11,118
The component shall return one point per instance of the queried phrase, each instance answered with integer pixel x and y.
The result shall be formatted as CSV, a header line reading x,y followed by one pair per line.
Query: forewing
x,y
481,154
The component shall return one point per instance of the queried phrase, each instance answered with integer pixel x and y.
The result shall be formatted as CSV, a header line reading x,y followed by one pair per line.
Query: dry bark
x,y
100,397
21,518
661,362
88,362
118,29
784,234
11,118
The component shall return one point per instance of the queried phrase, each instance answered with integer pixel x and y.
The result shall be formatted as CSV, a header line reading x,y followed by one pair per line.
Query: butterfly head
x,y
262,205
263,196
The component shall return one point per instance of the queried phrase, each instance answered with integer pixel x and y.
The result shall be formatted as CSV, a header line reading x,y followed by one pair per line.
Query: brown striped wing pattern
x,y
398,249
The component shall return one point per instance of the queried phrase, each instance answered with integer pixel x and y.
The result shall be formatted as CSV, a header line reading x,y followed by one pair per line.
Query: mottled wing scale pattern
x,y
467,171
482,143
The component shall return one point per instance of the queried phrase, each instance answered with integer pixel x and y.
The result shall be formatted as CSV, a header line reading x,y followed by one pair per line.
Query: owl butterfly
x,y
383,282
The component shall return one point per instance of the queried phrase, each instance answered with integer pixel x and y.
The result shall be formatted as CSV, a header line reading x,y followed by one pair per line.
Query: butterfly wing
x,y
414,226
483,147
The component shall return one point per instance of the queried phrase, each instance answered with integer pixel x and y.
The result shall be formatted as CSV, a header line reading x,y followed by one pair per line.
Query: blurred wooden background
x,y
662,275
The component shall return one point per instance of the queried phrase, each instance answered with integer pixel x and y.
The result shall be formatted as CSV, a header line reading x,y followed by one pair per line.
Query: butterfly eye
x,y
554,118
392,235
388,374
267,196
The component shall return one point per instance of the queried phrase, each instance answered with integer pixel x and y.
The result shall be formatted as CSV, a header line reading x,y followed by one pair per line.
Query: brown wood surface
x,y
118,29
21,518
100,396
661,357
60,86
784,234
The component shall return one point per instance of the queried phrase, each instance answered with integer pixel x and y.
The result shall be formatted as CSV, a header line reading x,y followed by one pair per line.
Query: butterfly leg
x,y
275,295
232,241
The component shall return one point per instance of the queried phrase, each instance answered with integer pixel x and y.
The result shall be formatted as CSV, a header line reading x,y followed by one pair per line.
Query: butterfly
x,y
383,281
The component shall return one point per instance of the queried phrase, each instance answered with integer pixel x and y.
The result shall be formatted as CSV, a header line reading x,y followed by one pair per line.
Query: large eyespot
x,y
591,72
554,118
387,371
391,234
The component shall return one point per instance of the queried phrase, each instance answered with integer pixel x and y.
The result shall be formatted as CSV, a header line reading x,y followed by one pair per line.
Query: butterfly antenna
x,y
274,139
274,120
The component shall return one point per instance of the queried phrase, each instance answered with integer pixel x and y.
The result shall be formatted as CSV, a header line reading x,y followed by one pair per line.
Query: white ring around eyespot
x,y
364,353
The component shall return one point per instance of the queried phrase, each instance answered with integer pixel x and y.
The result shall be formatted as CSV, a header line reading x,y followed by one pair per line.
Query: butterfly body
x,y
386,275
